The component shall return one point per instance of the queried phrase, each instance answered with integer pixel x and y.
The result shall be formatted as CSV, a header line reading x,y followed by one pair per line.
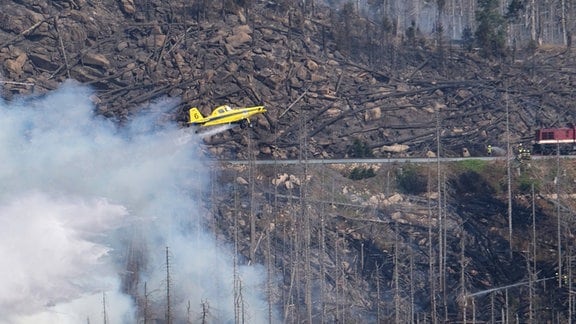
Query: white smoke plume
x,y
78,193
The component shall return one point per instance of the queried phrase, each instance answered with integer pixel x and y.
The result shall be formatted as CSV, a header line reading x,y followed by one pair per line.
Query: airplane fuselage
x,y
225,115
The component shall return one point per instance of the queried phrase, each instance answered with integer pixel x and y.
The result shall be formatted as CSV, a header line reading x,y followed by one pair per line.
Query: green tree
x,y
411,33
345,31
359,149
491,31
359,173
468,38
515,8
411,181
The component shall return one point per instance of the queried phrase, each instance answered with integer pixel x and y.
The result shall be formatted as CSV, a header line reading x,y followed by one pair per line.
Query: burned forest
x,y
478,240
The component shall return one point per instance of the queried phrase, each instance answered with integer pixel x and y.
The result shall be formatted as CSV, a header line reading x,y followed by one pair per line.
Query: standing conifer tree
x,y
491,30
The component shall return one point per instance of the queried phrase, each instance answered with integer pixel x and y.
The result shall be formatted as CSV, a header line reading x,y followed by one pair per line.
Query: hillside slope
x,y
324,74
393,248
335,85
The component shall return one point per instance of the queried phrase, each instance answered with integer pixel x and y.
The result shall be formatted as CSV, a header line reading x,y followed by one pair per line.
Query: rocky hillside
x,y
380,248
325,75
335,85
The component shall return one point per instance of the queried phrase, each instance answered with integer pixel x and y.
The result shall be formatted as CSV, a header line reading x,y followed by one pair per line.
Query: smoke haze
x,y
79,195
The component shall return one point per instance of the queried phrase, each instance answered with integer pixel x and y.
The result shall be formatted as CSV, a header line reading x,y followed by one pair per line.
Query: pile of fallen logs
x,y
406,103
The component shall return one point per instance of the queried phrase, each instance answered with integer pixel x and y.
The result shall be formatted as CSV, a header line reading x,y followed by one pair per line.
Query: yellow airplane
x,y
224,115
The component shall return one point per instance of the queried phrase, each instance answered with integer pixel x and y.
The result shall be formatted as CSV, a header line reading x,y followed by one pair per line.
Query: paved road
x,y
384,160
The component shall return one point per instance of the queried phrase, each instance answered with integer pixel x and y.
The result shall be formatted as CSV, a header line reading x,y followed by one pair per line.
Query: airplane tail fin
x,y
195,116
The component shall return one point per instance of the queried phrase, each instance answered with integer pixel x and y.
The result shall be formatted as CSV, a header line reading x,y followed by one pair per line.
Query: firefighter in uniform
x,y
520,152
523,153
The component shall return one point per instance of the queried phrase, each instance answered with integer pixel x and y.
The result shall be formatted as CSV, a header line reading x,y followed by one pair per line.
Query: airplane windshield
x,y
223,109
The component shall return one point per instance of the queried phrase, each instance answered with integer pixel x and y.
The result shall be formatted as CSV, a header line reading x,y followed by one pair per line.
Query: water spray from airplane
x,y
216,130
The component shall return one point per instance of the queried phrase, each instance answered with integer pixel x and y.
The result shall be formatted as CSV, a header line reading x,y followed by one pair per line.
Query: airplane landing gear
x,y
245,124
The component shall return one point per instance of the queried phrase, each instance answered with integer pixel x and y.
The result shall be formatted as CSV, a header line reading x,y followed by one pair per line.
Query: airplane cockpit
x,y
223,109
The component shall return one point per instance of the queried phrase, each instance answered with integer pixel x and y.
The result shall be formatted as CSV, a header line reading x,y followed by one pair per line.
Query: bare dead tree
x,y
205,312
463,277
570,286
533,274
506,309
236,279
269,272
444,241
305,215
338,290
558,216
492,309
146,307
240,305
532,19
379,318
252,180
473,310
440,217
213,205
563,14
168,293
62,48
321,260
396,262
293,262
508,174
412,285
431,255
104,313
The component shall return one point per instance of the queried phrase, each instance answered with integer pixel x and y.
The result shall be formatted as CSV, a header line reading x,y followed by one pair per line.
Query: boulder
x,y
241,181
373,114
240,36
128,6
43,61
14,66
152,41
333,112
395,148
96,60
85,74
238,40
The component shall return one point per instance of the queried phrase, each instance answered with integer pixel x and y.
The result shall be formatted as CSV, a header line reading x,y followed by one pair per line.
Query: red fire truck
x,y
553,140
